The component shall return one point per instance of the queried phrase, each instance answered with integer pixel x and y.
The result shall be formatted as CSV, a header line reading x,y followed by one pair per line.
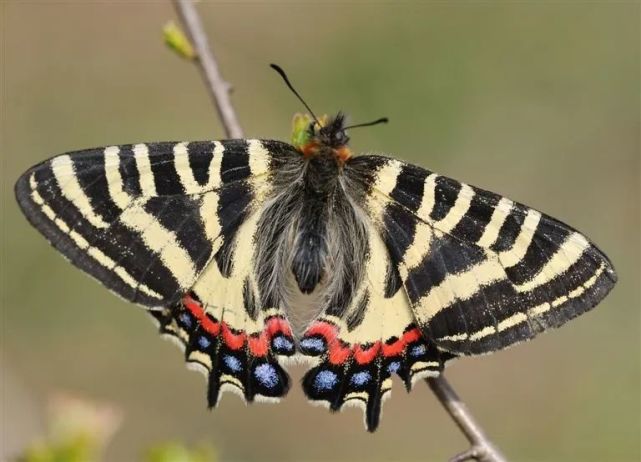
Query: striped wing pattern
x,y
143,219
445,269
481,272
159,224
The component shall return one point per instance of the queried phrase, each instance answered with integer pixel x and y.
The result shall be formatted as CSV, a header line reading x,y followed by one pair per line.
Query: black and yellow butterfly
x,y
224,241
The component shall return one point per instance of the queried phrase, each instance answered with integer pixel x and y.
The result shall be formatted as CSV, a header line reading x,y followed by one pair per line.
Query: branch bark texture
x,y
482,448
218,88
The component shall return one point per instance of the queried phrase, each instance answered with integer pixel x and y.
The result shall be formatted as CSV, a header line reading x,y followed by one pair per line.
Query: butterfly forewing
x,y
481,272
143,219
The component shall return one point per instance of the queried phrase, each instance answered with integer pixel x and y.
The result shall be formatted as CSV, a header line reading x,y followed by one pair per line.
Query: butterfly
x,y
398,268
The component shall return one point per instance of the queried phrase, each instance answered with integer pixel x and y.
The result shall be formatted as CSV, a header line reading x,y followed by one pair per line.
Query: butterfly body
x,y
404,269
319,188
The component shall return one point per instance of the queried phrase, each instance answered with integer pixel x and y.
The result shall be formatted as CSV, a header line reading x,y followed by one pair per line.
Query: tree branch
x,y
217,86
482,448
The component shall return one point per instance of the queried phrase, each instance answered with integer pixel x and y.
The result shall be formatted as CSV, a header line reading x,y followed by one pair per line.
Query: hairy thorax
x,y
311,240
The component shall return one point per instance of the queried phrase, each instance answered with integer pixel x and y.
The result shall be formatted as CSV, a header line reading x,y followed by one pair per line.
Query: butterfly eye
x,y
341,138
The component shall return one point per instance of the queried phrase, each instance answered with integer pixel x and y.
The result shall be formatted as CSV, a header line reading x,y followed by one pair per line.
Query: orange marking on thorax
x,y
343,154
309,149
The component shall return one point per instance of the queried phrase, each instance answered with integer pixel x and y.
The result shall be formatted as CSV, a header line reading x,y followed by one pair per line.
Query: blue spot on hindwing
x,y
325,380
418,350
203,342
361,378
393,367
185,319
282,343
266,374
313,344
232,363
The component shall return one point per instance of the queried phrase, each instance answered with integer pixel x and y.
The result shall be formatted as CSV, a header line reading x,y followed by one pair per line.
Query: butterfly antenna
x,y
284,76
382,120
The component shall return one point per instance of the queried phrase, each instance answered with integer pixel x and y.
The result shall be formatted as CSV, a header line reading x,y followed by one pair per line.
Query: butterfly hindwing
x,y
249,335
481,272
360,347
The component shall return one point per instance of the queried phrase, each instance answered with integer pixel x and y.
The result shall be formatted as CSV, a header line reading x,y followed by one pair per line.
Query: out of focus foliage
x,y
79,430
175,452
176,39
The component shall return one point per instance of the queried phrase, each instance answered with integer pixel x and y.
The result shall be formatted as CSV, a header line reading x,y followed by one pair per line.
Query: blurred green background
x,y
537,101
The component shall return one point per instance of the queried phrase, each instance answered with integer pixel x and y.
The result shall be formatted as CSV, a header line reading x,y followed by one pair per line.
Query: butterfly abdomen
x,y
317,191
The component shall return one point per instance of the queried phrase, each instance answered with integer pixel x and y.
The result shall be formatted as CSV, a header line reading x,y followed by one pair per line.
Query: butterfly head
x,y
311,136
314,135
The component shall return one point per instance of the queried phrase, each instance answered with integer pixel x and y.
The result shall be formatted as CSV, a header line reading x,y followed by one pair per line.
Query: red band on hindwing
x,y
277,325
366,356
258,344
396,348
327,330
195,308
338,351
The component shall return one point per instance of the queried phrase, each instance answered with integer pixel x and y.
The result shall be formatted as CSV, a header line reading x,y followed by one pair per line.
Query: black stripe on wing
x,y
233,208
409,187
446,255
446,192
200,156
510,229
92,178
473,223
182,215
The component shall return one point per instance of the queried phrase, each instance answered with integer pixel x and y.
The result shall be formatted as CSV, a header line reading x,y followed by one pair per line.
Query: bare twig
x,y
217,86
482,448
